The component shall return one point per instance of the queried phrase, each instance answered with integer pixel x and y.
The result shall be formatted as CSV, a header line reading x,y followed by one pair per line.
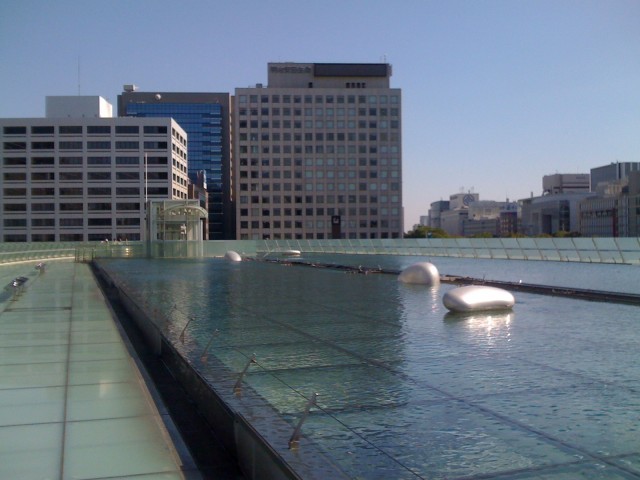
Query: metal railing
x,y
589,250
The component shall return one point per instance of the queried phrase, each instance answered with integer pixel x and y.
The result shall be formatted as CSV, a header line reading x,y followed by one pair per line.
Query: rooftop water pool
x,y
406,390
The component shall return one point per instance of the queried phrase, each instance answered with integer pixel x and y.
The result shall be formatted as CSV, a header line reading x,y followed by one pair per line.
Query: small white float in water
x,y
474,298
423,273
233,256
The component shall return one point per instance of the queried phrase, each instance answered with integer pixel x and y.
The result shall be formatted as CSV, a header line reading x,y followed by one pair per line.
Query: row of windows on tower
x,y
76,222
319,199
319,174
16,193
71,237
90,145
77,161
73,207
324,99
318,149
90,130
317,212
318,124
299,137
319,112
318,162
309,224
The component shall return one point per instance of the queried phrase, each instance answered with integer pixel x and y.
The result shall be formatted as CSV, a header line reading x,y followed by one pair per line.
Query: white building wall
x,y
82,179
77,107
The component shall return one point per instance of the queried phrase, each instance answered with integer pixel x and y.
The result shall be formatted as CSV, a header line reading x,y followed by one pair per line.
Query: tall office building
x,y
205,118
317,153
80,175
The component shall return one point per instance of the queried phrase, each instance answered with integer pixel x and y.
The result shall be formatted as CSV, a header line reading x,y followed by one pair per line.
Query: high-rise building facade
x,y
205,118
318,153
77,176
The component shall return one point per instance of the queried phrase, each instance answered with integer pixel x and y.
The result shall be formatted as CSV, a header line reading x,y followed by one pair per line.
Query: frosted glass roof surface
x,y
71,402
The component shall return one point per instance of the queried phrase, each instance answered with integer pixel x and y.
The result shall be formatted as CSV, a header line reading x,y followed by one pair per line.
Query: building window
x,y
43,177
15,192
42,130
155,145
14,177
153,129
40,161
157,175
15,207
71,192
160,191
70,145
127,222
71,222
43,192
127,145
42,145
99,129
43,222
15,130
127,191
99,161
99,206
127,129
15,145
98,145
70,130
64,161
42,207
99,176
99,191
43,237
15,222
128,206
99,222
16,161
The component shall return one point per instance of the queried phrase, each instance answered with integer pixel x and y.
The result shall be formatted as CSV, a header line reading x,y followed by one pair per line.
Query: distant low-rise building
x,y
599,216
435,213
615,210
566,183
613,172
509,219
452,220
630,208
551,214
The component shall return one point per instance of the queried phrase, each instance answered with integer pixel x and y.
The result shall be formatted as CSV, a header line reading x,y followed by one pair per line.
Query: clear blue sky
x,y
496,94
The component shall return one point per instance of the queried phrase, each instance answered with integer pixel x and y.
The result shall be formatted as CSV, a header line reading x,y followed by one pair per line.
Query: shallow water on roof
x,y
550,389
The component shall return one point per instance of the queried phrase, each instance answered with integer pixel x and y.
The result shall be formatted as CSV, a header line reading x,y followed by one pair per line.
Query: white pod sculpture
x,y
475,298
233,256
423,273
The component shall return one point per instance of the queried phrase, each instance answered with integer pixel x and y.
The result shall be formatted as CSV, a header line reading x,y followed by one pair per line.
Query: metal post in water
x,y
294,441
184,329
205,354
237,388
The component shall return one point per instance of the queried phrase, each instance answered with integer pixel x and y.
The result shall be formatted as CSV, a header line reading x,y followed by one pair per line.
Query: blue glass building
x,y
205,118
